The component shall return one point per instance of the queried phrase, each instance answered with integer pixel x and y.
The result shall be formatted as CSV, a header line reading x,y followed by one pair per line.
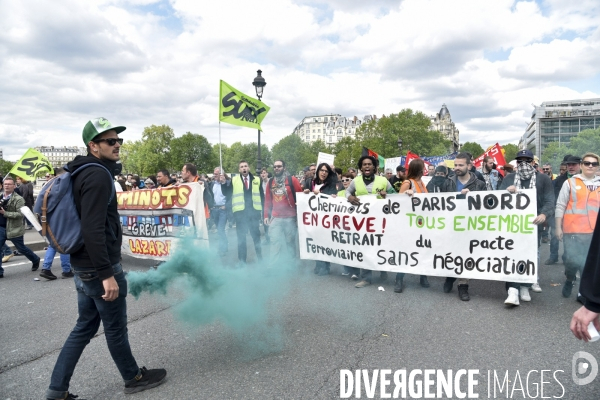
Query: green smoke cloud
x,y
243,299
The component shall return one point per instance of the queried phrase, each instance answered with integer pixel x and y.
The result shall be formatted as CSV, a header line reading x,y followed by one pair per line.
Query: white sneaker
x,y
536,288
354,277
8,257
513,297
524,292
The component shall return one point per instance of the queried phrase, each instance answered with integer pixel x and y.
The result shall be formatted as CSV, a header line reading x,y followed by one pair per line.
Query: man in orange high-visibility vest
x,y
576,214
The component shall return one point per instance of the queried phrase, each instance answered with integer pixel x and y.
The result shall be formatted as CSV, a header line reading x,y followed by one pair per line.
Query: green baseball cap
x,y
97,126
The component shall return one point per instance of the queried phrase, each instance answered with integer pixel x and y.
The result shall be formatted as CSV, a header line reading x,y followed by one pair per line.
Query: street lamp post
x,y
400,146
259,84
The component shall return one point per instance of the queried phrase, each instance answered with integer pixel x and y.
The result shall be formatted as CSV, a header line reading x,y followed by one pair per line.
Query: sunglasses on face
x,y
546,169
111,141
589,163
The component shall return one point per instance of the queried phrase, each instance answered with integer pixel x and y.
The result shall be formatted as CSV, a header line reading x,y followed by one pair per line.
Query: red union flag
x,y
412,156
495,152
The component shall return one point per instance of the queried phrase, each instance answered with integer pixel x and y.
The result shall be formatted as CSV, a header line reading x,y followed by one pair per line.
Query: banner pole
x,y
220,151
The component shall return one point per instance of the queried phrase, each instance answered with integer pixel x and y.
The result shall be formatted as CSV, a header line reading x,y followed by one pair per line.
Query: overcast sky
x,y
144,62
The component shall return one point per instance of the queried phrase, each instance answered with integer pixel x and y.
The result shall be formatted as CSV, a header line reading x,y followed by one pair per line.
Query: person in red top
x,y
280,204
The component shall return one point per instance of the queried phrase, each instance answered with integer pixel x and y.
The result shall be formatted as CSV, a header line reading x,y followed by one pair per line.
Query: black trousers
x,y
247,220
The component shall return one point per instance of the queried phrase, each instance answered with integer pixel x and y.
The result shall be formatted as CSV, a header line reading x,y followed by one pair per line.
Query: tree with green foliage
x,y
347,152
5,166
413,128
471,147
510,151
150,154
191,148
292,150
585,142
237,152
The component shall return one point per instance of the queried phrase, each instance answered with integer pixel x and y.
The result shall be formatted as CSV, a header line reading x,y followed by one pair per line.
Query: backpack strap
x,y
84,166
291,185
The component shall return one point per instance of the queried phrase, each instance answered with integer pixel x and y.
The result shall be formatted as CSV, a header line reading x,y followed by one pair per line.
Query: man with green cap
x,y
99,279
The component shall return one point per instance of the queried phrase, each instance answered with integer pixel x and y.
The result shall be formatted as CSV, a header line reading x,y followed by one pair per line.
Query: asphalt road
x,y
316,327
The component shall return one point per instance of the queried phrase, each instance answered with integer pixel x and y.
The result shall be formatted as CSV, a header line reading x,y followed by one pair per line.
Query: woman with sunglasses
x,y
413,184
325,181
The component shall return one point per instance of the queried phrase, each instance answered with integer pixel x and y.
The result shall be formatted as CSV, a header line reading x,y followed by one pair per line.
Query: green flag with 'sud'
x,y
238,109
31,165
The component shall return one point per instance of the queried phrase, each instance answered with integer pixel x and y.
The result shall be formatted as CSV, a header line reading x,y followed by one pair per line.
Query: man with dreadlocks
x,y
527,177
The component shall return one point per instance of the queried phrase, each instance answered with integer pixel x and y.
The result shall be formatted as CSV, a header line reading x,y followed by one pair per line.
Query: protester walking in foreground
x,y
99,278
325,181
11,223
576,214
527,177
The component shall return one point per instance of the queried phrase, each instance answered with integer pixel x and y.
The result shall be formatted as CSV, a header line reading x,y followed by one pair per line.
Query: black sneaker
x,y
550,261
581,299
147,379
463,292
424,282
35,265
70,397
69,274
46,273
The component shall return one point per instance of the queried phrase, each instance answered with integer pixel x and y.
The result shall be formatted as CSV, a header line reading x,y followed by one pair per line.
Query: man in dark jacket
x,y
527,177
99,279
573,164
440,181
463,181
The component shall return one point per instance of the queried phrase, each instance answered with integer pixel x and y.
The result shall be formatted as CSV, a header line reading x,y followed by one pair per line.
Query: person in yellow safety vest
x,y
368,183
247,207
576,214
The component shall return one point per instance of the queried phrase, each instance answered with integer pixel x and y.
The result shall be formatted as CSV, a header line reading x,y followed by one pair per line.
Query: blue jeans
x,y
65,260
20,245
93,309
5,250
220,218
284,239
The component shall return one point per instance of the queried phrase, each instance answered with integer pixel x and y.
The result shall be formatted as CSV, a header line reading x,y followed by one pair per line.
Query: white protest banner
x,y
154,221
488,235
392,163
325,158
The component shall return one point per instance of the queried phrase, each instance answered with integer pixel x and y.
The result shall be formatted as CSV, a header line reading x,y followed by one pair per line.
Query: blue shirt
x,y
218,194
459,186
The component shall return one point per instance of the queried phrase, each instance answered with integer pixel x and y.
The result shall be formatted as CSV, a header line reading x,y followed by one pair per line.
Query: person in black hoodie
x,y
99,278
590,290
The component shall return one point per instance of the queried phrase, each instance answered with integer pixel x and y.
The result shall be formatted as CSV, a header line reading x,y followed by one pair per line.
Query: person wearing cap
x,y
527,177
99,278
572,166
576,214
396,180
368,183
